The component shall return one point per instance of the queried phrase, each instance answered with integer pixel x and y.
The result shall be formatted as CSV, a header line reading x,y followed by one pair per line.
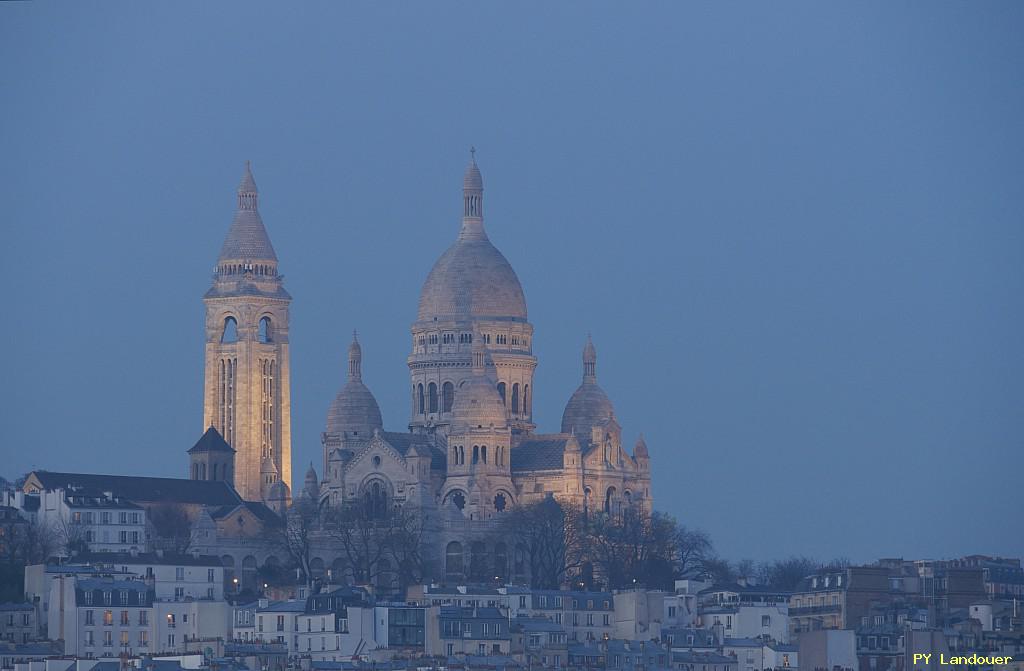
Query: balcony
x,y
815,610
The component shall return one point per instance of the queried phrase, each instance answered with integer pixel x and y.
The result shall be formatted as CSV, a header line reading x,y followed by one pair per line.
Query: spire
x,y
472,201
479,355
355,359
589,361
248,194
247,239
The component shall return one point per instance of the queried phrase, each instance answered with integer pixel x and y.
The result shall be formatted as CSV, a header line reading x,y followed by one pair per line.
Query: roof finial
x,y
472,200
589,361
355,359
472,153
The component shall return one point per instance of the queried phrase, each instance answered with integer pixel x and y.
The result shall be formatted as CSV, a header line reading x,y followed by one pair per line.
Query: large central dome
x,y
472,279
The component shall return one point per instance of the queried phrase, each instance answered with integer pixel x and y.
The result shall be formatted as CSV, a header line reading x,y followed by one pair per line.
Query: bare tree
x,y
633,548
296,534
693,550
31,542
172,527
551,534
786,574
379,543
73,538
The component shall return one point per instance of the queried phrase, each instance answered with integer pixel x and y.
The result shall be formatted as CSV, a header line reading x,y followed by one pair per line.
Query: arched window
x,y
376,500
453,562
478,562
447,397
316,568
249,573
476,453
501,562
422,404
526,399
202,471
500,502
609,500
195,471
483,453
462,454
432,396
515,398
265,334
230,334
229,573
501,391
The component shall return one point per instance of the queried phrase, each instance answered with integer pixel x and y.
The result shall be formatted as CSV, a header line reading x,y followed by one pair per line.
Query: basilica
x,y
470,450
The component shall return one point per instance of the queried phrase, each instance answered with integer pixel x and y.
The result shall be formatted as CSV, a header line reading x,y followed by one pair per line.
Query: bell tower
x,y
247,396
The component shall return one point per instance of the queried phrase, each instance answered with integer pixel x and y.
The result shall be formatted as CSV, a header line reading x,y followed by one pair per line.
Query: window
x,y
108,639
179,593
124,619
89,640
88,598
143,618
766,620
123,517
447,397
124,597
88,618
432,397
179,573
106,598
143,638
280,622
108,618
124,537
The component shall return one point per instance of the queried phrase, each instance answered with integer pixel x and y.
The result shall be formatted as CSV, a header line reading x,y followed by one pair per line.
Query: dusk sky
x,y
795,231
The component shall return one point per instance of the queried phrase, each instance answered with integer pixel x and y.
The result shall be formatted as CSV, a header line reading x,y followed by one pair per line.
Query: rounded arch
x,y
501,561
265,329
503,500
248,573
455,497
229,333
515,398
376,494
609,500
501,392
453,569
229,573
316,568
432,397
447,396
421,399
478,563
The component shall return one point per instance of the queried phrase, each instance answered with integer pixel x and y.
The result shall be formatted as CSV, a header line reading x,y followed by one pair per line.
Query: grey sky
x,y
794,229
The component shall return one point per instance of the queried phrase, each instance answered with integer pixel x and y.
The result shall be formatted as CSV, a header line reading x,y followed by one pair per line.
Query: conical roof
x,y
211,441
247,239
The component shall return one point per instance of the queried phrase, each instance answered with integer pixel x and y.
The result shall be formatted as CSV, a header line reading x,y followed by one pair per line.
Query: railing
x,y
816,610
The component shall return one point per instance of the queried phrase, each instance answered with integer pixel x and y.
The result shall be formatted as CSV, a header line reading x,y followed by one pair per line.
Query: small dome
x,y
278,491
354,411
311,474
588,406
477,403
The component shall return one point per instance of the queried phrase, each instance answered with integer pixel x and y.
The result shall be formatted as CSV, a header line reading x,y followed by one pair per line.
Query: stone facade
x,y
471,451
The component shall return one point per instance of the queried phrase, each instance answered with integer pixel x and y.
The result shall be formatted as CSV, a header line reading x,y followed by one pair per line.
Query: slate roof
x,y
211,441
260,510
541,453
16,606
146,489
247,238
403,441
